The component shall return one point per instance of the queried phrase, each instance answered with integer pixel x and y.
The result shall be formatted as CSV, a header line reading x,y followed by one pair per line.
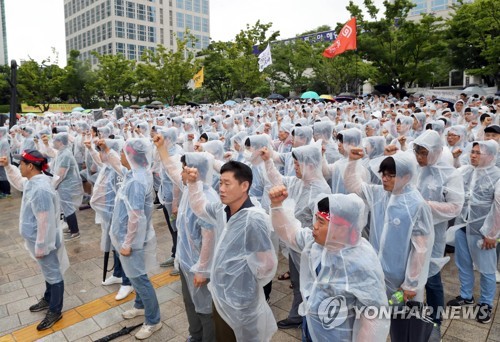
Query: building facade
x,y
440,8
4,59
131,27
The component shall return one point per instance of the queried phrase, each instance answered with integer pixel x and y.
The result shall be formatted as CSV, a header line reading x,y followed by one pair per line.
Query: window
x,y
92,15
180,35
131,31
108,14
205,41
132,51
179,4
162,38
197,23
98,13
189,21
130,10
439,5
98,33
93,36
420,7
151,34
161,16
197,44
188,5
141,51
141,12
119,29
141,32
204,26
110,33
180,20
151,14
197,6
171,37
170,18
119,8
204,6
120,48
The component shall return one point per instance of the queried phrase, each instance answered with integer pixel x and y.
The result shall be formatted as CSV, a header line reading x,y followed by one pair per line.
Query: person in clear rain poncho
x,y
374,148
4,152
400,222
475,243
441,186
168,193
196,240
237,147
253,145
132,232
67,182
39,226
339,269
103,201
323,130
403,127
244,258
302,189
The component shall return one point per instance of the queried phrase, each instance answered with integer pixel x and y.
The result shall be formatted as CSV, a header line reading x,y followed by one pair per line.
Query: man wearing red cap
x,y
39,226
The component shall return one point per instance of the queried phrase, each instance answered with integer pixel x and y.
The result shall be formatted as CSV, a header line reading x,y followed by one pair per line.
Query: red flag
x,y
346,40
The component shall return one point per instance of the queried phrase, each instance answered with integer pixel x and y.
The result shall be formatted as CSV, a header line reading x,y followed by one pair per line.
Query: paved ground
x,y
91,311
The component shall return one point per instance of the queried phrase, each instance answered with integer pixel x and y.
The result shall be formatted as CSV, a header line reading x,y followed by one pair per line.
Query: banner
x,y
54,107
198,79
346,40
310,38
265,58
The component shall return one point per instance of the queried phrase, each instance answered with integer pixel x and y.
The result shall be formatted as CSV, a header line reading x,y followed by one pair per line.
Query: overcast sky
x,y
34,27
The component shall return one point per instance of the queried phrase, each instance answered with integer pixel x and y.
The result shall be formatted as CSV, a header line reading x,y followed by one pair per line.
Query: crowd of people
x,y
364,198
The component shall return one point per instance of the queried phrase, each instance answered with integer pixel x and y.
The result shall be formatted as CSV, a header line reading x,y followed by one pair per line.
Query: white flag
x,y
265,58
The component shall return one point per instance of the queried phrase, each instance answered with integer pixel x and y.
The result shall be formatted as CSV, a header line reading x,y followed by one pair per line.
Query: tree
x,y
40,84
114,78
78,83
218,71
474,39
403,51
170,71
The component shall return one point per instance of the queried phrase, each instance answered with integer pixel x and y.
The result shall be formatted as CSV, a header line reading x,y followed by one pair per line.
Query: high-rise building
x,y
3,35
131,27
440,8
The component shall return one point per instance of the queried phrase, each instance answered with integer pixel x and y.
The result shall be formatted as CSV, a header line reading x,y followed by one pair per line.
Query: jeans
x,y
54,294
145,298
201,326
118,270
435,295
463,260
72,223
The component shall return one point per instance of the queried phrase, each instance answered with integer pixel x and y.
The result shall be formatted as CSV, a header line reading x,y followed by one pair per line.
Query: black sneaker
x,y
459,301
484,313
40,306
289,324
50,319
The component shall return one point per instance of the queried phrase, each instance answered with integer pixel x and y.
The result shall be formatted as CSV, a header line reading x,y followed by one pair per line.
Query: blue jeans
x,y
463,261
54,294
435,295
118,270
145,298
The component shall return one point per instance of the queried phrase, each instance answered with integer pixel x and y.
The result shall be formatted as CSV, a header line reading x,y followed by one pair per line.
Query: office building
x,y
131,27
3,36
440,8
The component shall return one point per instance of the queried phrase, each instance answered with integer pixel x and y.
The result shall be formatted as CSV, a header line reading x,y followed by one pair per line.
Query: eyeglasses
x,y
387,175
475,152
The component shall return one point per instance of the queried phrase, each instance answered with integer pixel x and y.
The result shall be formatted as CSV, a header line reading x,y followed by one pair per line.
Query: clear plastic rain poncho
x,y
244,261
105,189
196,238
441,186
481,211
339,276
67,179
462,144
302,136
216,149
4,150
372,128
39,223
374,148
403,127
323,131
420,126
167,189
131,224
401,229
302,190
350,138
252,156
238,146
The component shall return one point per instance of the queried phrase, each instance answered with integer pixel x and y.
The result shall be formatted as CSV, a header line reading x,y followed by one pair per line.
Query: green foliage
x,y
78,82
473,36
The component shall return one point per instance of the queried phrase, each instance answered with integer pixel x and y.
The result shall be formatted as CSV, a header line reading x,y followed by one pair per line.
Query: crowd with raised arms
x,y
363,198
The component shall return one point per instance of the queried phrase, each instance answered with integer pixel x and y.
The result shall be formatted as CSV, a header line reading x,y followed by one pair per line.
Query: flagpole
x,y
356,72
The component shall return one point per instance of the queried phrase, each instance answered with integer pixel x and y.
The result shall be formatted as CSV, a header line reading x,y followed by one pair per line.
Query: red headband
x,y
32,159
337,220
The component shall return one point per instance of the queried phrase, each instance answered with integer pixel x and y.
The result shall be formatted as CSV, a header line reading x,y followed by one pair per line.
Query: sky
x,y
36,27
